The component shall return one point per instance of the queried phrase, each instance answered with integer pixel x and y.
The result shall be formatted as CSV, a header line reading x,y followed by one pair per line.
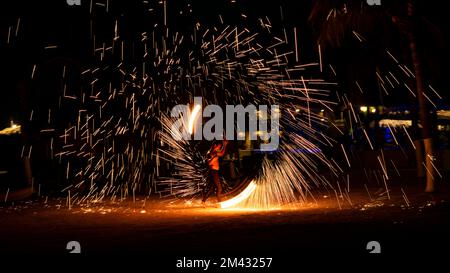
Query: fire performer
x,y
216,151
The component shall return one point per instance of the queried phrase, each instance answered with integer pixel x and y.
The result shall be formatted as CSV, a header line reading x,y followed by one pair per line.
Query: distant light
x,y
443,114
322,119
13,129
297,110
322,110
395,123
363,109
373,110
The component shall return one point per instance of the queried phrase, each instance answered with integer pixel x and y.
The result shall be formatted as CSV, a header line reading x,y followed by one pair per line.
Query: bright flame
x,y
193,117
240,197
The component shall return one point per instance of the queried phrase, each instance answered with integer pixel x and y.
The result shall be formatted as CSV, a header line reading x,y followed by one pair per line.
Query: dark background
x,y
45,23
72,30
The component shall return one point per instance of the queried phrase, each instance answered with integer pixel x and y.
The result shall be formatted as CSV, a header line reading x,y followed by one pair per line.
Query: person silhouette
x,y
217,150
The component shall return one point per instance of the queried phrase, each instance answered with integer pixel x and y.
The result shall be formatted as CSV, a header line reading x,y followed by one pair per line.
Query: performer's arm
x,y
223,150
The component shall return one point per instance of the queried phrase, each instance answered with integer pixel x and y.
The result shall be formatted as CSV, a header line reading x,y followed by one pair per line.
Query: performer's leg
x,y
218,185
209,188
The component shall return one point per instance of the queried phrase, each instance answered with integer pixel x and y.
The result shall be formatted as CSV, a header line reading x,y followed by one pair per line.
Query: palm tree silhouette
x,y
334,23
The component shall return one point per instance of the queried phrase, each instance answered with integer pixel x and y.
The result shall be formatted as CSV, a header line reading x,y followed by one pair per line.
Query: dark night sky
x,y
44,23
